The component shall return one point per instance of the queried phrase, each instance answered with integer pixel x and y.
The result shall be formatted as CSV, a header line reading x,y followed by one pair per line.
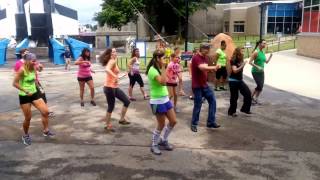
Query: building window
x,y
238,26
226,26
311,16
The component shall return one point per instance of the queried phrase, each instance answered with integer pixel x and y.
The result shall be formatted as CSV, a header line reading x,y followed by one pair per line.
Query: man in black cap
x,y
201,89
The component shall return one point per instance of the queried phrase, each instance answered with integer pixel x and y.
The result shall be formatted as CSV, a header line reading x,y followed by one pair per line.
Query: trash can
x,y
3,50
76,47
24,44
56,51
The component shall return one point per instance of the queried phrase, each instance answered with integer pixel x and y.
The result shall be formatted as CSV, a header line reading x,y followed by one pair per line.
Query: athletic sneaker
x,y
165,145
51,114
48,134
223,88
155,150
194,128
213,126
177,110
26,139
233,115
82,104
217,89
132,99
254,101
93,103
246,113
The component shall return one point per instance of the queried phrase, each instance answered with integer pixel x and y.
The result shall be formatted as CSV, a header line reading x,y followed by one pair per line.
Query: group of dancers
x,y
163,78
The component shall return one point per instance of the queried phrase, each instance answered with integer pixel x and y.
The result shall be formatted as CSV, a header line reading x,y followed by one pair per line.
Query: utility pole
x,y
186,26
262,10
261,19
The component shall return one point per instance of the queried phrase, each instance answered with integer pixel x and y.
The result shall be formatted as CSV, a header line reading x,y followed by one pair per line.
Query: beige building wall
x,y
206,21
309,45
253,21
236,14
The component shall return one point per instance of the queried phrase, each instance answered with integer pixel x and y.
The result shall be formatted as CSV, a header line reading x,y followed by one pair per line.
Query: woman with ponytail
x,y
160,103
257,61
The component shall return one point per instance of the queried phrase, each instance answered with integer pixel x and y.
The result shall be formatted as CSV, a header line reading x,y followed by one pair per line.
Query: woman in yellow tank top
x,y
25,82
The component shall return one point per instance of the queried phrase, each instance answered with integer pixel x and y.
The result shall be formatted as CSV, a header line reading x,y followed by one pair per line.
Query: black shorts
x,y
259,79
172,84
222,72
86,79
41,94
135,78
29,99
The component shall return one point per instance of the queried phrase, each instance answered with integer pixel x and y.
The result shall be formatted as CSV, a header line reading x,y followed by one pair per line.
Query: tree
x,y
169,14
117,13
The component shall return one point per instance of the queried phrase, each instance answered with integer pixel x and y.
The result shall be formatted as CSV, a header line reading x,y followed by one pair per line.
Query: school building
x,y
243,18
309,38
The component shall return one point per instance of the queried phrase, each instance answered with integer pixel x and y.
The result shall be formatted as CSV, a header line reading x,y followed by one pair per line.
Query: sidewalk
x,y
290,72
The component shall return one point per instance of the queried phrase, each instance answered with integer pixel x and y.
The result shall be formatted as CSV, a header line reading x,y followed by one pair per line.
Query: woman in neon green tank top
x,y
257,60
160,103
24,81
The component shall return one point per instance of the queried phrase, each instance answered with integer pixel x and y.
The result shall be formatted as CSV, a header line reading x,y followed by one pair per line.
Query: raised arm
x,y
269,59
236,70
79,61
206,67
162,79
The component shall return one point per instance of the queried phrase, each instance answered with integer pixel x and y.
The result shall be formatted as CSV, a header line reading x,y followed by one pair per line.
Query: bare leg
x,y
91,86
130,89
143,92
108,119
175,96
26,109
43,108
123,113
81,85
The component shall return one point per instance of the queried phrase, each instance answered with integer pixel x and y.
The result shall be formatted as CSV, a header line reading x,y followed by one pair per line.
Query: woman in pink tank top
x,y
111,88
84,75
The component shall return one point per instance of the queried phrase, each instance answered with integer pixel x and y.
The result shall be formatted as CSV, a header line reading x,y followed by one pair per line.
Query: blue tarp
x,y
76,47
56,51
3,50
22,45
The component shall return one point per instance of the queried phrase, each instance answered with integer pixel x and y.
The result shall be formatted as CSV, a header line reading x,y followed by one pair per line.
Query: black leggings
x,y
135,78
235,87
259,79
112,94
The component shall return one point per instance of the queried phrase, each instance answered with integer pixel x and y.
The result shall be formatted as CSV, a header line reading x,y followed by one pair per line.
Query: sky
x,y
85,8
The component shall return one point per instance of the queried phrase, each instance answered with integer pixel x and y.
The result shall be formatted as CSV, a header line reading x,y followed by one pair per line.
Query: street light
x,y
262,8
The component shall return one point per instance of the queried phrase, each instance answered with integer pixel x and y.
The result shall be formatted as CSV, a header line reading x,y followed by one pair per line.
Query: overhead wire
x,y
189,22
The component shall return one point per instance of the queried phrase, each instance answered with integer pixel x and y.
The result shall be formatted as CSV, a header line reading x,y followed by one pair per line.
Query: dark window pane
x,y
307,3
279,27
287,28
279,19
271,19
288,19
315,2
270,28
